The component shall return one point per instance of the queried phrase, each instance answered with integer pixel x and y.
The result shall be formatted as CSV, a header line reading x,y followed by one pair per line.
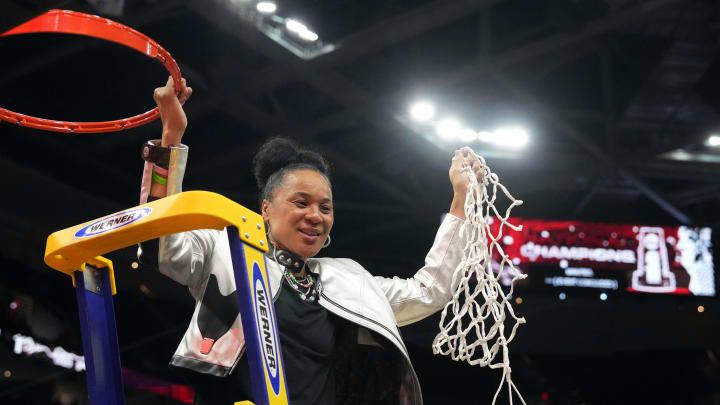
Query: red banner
x,y
635,258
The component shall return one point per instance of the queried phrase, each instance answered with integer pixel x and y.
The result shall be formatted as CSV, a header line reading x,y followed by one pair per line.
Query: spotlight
x,y
562,296
714,140
134,265
518,300
266,7
701,308
301,30
308,35
485,136
514,137
295,26
422,111
467,135
603,296
448,129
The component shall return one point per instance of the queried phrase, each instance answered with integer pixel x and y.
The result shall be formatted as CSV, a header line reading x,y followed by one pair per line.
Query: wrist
x,y
459,195
156,154
457,206
171,138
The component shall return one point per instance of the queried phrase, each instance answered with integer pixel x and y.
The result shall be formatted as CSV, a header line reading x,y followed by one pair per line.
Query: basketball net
x,y
469,322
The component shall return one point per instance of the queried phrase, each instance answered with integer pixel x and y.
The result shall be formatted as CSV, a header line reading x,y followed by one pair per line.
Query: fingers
x,y
185,95
479,172
458,161
184,92
466,158
477,168
163,94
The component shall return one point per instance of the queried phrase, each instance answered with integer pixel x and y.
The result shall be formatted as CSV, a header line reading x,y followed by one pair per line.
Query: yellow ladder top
x,y
67,250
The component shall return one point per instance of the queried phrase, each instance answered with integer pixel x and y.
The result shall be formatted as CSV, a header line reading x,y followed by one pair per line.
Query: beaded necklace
x,y
305,286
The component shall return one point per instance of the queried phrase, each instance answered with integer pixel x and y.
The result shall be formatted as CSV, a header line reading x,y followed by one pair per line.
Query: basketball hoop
x,y
72,22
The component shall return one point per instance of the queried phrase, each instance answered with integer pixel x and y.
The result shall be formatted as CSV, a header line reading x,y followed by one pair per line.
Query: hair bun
x,y
277,153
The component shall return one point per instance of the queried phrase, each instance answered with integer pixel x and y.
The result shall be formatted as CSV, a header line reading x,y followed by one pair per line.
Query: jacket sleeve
x,y
185,257
182,256
430,288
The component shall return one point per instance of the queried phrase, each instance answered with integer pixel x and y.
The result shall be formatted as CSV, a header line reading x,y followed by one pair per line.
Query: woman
x,y
338,325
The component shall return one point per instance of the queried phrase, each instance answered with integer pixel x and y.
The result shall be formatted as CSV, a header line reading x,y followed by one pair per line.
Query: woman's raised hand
x,y
171,112
458,178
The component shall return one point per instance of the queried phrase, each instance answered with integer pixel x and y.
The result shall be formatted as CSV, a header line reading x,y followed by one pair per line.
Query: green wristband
x,y
158,178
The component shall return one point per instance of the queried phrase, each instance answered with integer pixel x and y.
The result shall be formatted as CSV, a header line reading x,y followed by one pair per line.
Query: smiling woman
x,y
338,325
296,198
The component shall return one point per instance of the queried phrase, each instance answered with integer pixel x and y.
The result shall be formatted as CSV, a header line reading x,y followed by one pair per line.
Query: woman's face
x,y
300,213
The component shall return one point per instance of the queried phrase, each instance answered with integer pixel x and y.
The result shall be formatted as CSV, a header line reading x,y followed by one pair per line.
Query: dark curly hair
x,y
277,157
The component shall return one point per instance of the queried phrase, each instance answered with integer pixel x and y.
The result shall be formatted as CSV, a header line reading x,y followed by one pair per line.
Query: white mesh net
x,y
470,323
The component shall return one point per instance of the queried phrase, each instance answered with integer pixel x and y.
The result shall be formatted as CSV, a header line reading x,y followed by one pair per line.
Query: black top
x,y
307,337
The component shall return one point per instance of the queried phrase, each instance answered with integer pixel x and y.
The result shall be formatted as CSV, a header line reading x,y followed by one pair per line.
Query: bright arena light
x,y
448,129
485,136
308,35
467,135
514,137
714,140
422,111
266,7
295,26
300,29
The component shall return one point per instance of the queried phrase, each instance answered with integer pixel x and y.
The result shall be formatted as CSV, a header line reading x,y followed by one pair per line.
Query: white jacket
x,y
201,260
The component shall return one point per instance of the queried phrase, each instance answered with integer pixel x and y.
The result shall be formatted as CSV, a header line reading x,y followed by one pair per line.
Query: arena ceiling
x,y
619,97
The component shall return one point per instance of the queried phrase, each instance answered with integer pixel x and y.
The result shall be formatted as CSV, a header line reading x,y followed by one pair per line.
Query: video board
x,y
612,257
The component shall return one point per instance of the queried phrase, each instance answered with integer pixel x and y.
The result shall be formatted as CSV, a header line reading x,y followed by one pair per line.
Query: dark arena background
x,y
601,115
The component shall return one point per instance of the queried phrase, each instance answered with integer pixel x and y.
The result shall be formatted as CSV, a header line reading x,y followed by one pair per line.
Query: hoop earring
x,y
327,242
267,232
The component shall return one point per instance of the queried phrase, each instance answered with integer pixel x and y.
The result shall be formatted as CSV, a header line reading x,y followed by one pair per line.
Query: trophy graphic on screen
x,y
653,272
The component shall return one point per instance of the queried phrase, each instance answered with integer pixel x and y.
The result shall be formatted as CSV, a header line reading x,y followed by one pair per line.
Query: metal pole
x,y
99,336
262,340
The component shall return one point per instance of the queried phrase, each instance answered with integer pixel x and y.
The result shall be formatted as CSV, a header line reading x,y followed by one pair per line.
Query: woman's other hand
x,y
171,112
459,179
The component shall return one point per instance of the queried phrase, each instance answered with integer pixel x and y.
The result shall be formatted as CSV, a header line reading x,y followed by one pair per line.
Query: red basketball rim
x,y
73,22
